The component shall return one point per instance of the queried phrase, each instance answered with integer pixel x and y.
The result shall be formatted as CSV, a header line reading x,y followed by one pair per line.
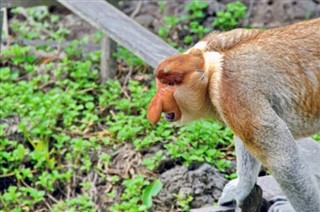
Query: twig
x,y
246,20
86,90
52,198
125,93
47,204
41,87
136,10
126,82
128,76
69,166
12,174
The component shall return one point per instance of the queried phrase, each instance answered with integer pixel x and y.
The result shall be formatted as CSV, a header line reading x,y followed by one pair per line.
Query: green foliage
x,y
199,142
81,202
196,9
129,58
69,123
183,202
168,23
190,22
131,198
22,197
54,119
161,5
38,24
150,191
47,118
231,17
153,161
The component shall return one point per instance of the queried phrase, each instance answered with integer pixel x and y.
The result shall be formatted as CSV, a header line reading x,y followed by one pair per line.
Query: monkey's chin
x,y
181,122
178,123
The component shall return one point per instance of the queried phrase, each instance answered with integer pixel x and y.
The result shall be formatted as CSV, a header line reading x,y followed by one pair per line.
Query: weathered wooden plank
x,y
26,3
122,29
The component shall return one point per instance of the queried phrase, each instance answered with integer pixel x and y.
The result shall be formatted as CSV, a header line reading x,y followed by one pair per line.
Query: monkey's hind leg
x,y
247,170
281,154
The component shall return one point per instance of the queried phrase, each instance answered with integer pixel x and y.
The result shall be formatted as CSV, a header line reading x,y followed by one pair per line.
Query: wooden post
x,y
108,63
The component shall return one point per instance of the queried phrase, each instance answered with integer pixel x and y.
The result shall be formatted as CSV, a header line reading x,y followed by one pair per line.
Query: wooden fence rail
x,y
122,29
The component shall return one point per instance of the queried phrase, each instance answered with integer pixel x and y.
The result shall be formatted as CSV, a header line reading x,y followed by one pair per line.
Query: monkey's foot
x,y
233,194
280,204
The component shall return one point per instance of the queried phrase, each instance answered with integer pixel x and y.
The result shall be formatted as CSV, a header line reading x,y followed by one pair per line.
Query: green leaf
x,y
150,191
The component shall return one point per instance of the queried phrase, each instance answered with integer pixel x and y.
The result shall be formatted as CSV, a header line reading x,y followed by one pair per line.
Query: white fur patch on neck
x,y
213,68
213,60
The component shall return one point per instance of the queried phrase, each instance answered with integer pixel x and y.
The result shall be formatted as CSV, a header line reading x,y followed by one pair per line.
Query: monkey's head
x,y
182,93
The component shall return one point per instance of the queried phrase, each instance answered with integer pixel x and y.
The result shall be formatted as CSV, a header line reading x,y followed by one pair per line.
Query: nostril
x,y
169,117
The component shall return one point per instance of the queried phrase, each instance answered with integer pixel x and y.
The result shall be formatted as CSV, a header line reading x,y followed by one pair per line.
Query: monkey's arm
x,y
247,170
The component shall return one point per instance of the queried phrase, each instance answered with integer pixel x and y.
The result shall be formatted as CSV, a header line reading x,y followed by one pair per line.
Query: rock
x,y
214,6
311,151
204,184
270,187
268,13
145,20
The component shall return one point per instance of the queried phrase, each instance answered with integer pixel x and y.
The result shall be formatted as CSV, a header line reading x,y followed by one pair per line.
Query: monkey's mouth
x,y
169,117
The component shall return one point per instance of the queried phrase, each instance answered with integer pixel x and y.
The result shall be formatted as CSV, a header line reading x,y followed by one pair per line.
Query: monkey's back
x,y
285,70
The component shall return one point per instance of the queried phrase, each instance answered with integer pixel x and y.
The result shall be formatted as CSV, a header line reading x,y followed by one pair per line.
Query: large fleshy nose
x,y
155,109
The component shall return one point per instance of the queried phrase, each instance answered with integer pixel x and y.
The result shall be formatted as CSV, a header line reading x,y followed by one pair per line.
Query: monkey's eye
x,y
170,83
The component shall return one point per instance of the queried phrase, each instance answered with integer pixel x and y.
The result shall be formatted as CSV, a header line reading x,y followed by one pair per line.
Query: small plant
x,y
317,137
169,22
196,9
151,191
152,162
131,198
161,5
38,24
183,202
190,22
231,17
129,58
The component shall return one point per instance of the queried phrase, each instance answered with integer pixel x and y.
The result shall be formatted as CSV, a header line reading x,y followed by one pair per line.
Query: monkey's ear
x,y
155,109
200,74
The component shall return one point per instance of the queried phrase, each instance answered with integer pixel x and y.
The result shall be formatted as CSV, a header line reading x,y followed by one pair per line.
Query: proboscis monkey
x,y
265,85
